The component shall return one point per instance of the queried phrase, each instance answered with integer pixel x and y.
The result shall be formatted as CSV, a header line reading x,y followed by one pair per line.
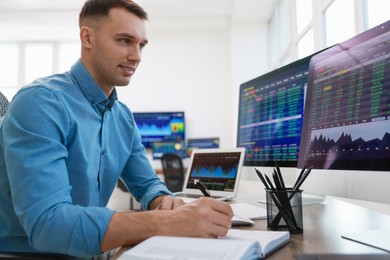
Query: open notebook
x,y
218,169
238,244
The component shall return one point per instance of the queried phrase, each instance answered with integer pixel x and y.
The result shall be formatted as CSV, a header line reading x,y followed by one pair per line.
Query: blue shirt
x,y
63,146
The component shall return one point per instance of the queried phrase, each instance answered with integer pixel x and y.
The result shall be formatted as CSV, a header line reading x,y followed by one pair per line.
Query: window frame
x,y
280,56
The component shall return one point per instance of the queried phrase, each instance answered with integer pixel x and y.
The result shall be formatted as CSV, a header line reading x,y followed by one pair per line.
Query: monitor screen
x,y
346,128
201,143
161,147
160,126
347,117
218,170
270,115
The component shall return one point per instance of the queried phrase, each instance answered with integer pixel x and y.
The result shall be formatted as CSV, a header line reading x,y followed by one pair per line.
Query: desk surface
x,y
323,226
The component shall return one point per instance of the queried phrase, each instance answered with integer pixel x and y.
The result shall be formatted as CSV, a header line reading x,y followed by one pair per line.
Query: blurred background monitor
x,y
160,127
161,147
201,143
346,128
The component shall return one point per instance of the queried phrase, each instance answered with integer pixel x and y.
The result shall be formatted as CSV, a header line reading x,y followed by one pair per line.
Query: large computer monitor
x,y
271,109
160,126
346,128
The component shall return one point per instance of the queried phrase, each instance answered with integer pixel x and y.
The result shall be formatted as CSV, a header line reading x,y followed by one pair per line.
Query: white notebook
x,y
238,244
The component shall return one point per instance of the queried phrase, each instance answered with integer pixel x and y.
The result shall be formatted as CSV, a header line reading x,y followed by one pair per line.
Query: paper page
x,y
268,240
178,248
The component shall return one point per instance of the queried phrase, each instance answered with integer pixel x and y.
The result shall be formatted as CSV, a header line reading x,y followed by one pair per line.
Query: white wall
x,y
198,69
187,70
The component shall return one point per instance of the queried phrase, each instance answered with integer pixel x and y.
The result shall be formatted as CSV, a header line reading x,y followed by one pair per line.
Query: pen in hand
x,y
198,184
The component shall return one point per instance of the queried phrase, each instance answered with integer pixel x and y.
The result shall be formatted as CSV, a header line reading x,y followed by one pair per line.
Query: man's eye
x,y
125,41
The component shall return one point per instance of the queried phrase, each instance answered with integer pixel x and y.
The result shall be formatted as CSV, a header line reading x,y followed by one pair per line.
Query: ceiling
x,y
38,20
59,11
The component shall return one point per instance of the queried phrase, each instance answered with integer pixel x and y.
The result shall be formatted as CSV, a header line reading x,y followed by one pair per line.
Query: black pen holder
x,y
284,210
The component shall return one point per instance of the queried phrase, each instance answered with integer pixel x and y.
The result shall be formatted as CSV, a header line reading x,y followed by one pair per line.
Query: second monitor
x,y
270,115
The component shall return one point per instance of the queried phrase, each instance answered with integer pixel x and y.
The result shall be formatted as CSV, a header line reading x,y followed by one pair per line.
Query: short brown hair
x,y
95,9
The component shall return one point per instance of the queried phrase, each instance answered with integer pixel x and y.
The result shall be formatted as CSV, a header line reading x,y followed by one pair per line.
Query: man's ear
x,y
85,36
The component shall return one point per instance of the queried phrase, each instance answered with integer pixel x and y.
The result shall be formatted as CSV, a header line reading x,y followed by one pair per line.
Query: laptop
x,y
218,169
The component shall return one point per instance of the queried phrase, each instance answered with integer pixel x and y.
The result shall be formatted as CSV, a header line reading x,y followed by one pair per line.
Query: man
x,y
66,140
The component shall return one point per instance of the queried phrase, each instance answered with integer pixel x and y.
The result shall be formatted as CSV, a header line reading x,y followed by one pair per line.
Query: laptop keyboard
x,y
248,210
195,196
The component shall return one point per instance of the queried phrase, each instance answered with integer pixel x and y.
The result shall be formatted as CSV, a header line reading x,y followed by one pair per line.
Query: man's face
x,y
116,48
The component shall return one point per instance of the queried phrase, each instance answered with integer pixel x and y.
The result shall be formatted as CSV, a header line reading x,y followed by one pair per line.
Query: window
x,y
302,27
305,45
281,34
9,65
23,62
68,54
377,12
303,14
272,37
38,61
340,23
284,22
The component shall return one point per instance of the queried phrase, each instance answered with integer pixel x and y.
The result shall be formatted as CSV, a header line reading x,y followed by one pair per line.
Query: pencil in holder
x,y
284,210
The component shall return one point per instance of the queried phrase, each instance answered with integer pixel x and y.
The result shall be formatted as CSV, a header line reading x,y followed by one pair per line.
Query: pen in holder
x,y
284,205
284,210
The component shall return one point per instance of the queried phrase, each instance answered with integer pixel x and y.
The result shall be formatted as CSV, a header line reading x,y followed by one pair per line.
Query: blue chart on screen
x,y
214,171
217,171
160,126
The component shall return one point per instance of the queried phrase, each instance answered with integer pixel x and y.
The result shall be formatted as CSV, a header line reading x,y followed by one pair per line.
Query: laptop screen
x,y
218,171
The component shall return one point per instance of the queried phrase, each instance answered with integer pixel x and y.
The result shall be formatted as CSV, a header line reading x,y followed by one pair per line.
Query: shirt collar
x,y
90,88
112,98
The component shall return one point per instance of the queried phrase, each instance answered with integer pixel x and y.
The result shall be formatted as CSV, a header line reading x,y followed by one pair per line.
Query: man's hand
x,y
166,202
204,217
